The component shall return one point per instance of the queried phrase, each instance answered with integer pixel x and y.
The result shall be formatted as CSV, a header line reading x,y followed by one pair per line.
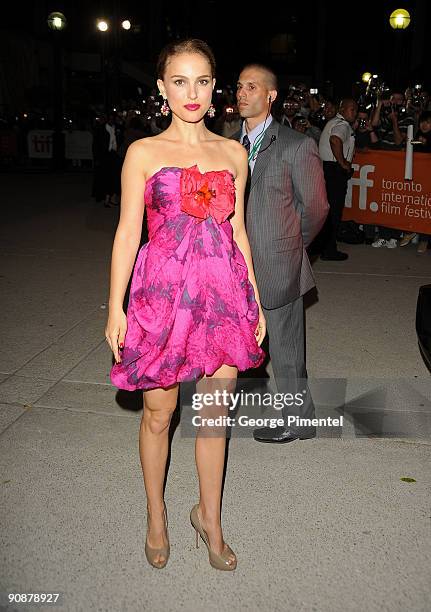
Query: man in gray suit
x,y
286,206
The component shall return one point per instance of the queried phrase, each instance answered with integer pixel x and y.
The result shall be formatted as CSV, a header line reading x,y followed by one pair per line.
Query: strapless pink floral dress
x,y
191,307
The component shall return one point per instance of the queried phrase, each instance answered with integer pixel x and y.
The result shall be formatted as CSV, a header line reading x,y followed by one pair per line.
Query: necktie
x,y
246,143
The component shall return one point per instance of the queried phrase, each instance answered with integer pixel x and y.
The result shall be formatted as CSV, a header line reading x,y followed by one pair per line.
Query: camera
x,y
417,98
229,109
314,91
362,123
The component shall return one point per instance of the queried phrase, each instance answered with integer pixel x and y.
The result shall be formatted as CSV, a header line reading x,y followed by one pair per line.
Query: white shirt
x,y
337,126
112,139
252,135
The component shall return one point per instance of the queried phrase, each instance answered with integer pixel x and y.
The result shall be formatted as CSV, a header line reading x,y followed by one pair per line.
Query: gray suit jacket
x,y
286,206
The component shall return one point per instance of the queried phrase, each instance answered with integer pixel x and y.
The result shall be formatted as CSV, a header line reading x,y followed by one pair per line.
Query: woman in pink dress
x,y
194,310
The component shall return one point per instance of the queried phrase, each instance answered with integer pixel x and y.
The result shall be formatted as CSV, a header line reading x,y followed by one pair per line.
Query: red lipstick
x,y
192,107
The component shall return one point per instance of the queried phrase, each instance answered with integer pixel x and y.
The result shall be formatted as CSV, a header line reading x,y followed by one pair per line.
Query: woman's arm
x,y
240,234
126,243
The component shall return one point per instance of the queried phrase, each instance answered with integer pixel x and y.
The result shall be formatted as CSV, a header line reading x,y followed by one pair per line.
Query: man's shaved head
x,y
256,90
349,109
269,75
346,102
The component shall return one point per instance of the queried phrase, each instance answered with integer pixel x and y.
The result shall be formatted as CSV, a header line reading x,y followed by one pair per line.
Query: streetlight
x,y
399,19
57,22
102,25
113,64
401,45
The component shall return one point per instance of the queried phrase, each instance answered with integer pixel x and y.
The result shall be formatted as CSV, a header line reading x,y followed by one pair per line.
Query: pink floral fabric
x,y
191,307
208,195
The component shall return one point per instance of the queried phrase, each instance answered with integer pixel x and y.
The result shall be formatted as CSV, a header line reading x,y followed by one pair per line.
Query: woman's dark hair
x,y
136,123
188,45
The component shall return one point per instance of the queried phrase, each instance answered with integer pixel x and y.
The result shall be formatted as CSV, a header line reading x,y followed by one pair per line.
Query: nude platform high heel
x,y
220,562
164,551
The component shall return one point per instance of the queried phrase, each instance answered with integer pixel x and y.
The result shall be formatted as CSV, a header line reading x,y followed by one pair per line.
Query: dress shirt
x,y
252,135
337,126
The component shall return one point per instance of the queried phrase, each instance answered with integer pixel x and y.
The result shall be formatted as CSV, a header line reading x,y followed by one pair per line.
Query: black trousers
x,y
336,188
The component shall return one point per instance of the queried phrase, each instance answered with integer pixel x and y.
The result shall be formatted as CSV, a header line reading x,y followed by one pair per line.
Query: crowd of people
x,y
378,120
381,121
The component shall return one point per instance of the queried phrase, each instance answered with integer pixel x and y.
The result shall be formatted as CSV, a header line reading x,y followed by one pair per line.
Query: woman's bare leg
x,y
210,457
159,404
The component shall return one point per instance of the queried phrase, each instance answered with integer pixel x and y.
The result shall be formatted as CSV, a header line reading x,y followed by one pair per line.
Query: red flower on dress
x,y
211,194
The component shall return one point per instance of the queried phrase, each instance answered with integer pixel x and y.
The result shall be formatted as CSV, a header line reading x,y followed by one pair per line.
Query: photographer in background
x,y
417,101
324,113
424,136
365,136
291,108
229,121
424,133
300,93
392,119
302,125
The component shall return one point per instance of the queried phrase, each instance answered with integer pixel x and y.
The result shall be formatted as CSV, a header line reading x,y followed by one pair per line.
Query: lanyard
x,y
258,140
253,152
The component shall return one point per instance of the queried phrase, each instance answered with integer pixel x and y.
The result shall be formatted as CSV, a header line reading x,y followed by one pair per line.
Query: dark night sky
x,y
326,40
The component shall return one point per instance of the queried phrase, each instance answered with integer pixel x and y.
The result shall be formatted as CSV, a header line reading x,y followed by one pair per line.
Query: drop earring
x,y
211,111
164,109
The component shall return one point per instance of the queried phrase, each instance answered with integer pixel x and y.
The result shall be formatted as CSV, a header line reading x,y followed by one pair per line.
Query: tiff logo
x,y
363,182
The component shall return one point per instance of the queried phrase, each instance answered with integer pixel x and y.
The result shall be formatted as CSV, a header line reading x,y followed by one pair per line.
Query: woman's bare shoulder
x,y
143,144
235,152
143,152
232,151
234,146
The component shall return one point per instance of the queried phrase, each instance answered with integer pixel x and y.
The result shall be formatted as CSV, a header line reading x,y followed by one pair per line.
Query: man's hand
x,y
393,116
346,165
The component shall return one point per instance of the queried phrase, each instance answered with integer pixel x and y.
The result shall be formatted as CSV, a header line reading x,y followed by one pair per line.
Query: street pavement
x,y
324,525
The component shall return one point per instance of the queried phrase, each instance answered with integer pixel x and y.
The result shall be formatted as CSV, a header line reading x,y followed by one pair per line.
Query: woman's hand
x,y
115,332
260,332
